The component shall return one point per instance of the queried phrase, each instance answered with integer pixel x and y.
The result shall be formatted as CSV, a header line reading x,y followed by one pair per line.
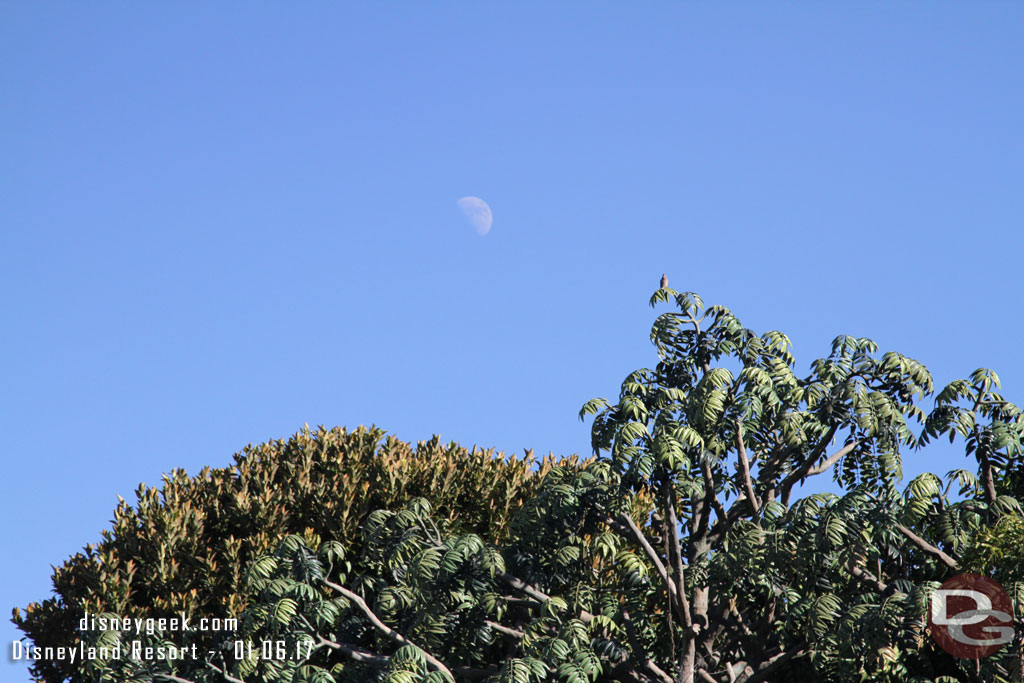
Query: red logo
x,y
971,616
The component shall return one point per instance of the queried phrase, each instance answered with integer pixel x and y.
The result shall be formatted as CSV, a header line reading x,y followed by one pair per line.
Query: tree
x,y
830,587
685,551
184,547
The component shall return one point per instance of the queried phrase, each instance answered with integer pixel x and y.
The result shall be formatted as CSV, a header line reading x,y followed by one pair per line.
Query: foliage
x,y
684,551
183,547
998,551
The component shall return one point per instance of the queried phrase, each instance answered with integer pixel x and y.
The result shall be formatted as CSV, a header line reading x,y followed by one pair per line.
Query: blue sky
x,y
219,222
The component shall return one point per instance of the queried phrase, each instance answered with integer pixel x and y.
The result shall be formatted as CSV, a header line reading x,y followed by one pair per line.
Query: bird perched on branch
x,y
664,281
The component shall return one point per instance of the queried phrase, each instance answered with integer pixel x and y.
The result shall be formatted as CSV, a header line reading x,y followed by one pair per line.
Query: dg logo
x,y
971,616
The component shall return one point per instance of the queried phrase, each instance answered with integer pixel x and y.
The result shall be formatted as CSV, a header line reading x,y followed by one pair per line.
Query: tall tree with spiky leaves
x,y
686,551
723,433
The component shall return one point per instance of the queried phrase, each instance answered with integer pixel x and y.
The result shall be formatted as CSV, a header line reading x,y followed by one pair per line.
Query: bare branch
x,y
520,585
501,628
654,671
868,577
703,536
987,478
711,502
169,677
676,553
513,600
928,547
384,628
223,672
745,468
638,650
352,652
801,471
832,459
739,621
726,520
625,525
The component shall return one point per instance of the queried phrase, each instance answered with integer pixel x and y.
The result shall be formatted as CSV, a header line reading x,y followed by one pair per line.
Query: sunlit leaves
x,y
592,407
719,436
284,611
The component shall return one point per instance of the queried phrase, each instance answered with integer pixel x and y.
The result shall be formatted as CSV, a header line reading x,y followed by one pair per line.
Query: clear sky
x,y
219,221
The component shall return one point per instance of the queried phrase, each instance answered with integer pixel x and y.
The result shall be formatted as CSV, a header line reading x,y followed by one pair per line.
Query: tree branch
x,y
705,676
928,547
351,651
520,585
739,621
987,478
725,521
654,671
169,677
384,628
803,471
868,577
819,449
638,650
832,459
744,464
223,672
626,527
711,502
676,554
771,665
501,628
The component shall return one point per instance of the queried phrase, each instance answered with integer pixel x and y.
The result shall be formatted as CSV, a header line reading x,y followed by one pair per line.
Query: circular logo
x,y
971,616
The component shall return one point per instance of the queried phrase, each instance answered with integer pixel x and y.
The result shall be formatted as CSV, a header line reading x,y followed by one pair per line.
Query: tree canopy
x,y
686,550
183,546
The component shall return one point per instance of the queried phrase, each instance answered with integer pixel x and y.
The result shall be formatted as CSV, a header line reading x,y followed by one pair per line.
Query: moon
x,y
477,213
